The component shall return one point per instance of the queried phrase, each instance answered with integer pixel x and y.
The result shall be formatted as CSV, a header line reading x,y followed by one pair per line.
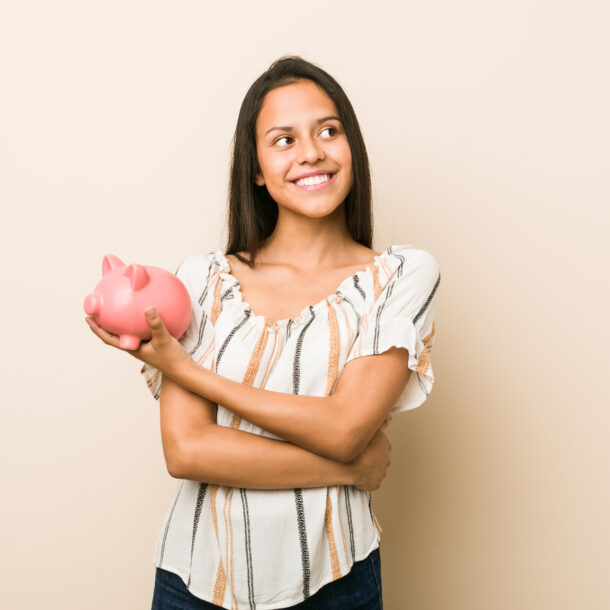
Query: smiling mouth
x,y
315,183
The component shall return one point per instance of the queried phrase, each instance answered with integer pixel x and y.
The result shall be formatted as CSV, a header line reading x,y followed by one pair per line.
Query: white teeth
x,y
313,180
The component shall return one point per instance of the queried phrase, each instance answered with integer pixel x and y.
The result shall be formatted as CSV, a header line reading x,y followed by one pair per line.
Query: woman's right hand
x,y
371,465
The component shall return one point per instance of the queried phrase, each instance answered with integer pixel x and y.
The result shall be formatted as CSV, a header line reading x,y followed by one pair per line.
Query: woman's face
x,y
298,132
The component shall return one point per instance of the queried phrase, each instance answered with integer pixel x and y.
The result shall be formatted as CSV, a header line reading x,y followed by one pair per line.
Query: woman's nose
x,y
309,151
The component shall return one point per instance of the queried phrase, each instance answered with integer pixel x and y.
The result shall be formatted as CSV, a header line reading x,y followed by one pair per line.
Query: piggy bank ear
x,y
138,276
111,262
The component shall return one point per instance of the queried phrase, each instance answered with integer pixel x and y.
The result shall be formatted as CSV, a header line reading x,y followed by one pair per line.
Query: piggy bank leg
x,y
129,342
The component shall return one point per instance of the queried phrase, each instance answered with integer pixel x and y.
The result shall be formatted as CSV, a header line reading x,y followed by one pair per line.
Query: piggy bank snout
x,y
92,304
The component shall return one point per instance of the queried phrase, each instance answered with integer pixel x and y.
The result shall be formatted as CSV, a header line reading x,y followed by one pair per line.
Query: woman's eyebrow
x,y
322,120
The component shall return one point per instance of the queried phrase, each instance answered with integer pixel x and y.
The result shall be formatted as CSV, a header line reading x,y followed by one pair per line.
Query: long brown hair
x,y
252,212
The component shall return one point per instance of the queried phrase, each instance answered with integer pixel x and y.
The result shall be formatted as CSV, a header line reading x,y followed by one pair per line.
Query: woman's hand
x,y
162,351
370,467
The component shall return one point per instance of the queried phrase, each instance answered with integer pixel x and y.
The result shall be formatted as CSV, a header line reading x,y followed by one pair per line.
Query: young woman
x,y
302,342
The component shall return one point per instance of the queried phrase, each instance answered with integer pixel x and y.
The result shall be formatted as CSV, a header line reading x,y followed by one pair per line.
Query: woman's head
x,y
264,164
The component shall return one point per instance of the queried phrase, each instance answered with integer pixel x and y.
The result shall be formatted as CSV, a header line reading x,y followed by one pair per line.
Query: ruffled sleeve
x,y
402,315
194,272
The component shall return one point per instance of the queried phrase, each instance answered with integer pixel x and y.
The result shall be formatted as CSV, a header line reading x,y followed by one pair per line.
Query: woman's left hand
x,y
162,351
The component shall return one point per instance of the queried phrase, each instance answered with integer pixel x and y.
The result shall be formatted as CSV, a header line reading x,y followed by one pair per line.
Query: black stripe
x,y
168,522
348,508
298,494
296,369
428,300
229,291
388,294
204,315
421,385
223,347
389,290
203,295
204,319
298,497
358,287
401,258
198,505
244,505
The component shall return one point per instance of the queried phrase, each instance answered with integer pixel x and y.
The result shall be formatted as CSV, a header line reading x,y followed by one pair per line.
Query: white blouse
x,y
266,549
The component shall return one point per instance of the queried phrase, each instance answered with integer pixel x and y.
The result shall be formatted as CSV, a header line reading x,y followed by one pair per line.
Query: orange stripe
x,y
253,366
333,371
221,581
216,304
219,584
350,332
206,352
255,359
275,354
330,534
333,350
423,363
226,513
377,288
386,268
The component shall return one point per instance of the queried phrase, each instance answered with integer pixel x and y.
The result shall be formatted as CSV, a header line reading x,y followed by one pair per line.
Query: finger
x,y
154,321
104,335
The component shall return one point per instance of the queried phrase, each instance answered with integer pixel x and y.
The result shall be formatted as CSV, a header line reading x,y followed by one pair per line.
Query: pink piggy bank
x,y
124,293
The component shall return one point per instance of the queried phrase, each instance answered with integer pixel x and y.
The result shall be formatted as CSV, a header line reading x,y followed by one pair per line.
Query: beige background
x,y
487,127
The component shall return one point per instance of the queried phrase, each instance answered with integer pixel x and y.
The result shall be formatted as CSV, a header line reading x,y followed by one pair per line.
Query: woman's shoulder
x,y
196,267
413,258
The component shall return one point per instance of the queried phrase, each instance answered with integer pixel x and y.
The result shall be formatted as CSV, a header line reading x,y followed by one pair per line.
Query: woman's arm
x,y
196,448
338,426
224,456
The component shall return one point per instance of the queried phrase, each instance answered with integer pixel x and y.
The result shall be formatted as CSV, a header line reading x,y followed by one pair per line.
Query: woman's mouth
x,y
315,183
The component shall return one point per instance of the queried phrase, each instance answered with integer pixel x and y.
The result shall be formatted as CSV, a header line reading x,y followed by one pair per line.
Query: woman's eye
x,y
283,138
333,129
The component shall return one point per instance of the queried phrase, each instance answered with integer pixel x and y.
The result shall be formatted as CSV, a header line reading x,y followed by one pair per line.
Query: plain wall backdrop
x,y
487,129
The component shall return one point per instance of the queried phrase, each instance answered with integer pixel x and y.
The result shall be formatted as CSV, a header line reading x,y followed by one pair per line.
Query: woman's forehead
x,y
290,105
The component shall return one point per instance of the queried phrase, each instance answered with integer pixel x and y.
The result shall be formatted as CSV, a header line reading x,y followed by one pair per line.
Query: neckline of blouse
x,y
308,311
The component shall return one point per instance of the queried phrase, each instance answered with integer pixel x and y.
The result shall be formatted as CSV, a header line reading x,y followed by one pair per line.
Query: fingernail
x,y
151,313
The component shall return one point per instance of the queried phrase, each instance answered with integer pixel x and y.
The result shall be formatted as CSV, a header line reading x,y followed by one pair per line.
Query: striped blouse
x,y
247,548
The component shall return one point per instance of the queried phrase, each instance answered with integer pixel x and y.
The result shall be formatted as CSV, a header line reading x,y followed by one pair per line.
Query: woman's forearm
x,y
314,423
236,458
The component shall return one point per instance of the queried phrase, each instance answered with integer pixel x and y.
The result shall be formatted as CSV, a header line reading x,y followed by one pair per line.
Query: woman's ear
x,y
260,181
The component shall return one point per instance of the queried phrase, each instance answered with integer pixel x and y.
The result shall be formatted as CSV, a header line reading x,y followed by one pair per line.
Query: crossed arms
x,y
324,434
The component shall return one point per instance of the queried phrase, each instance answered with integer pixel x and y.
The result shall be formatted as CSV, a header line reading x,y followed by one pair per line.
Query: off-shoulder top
x,y
268,549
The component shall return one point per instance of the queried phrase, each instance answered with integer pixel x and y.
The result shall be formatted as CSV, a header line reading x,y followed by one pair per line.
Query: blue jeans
x,y
360,589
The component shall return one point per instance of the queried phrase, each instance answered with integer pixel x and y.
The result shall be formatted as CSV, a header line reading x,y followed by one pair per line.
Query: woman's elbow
x,y
174,467
355,442
175,460
349,448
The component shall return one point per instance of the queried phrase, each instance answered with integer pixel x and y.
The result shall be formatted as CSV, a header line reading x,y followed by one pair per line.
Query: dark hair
x,y
252,211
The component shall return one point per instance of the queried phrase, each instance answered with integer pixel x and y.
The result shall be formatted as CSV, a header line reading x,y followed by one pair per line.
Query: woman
x,y
277,440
